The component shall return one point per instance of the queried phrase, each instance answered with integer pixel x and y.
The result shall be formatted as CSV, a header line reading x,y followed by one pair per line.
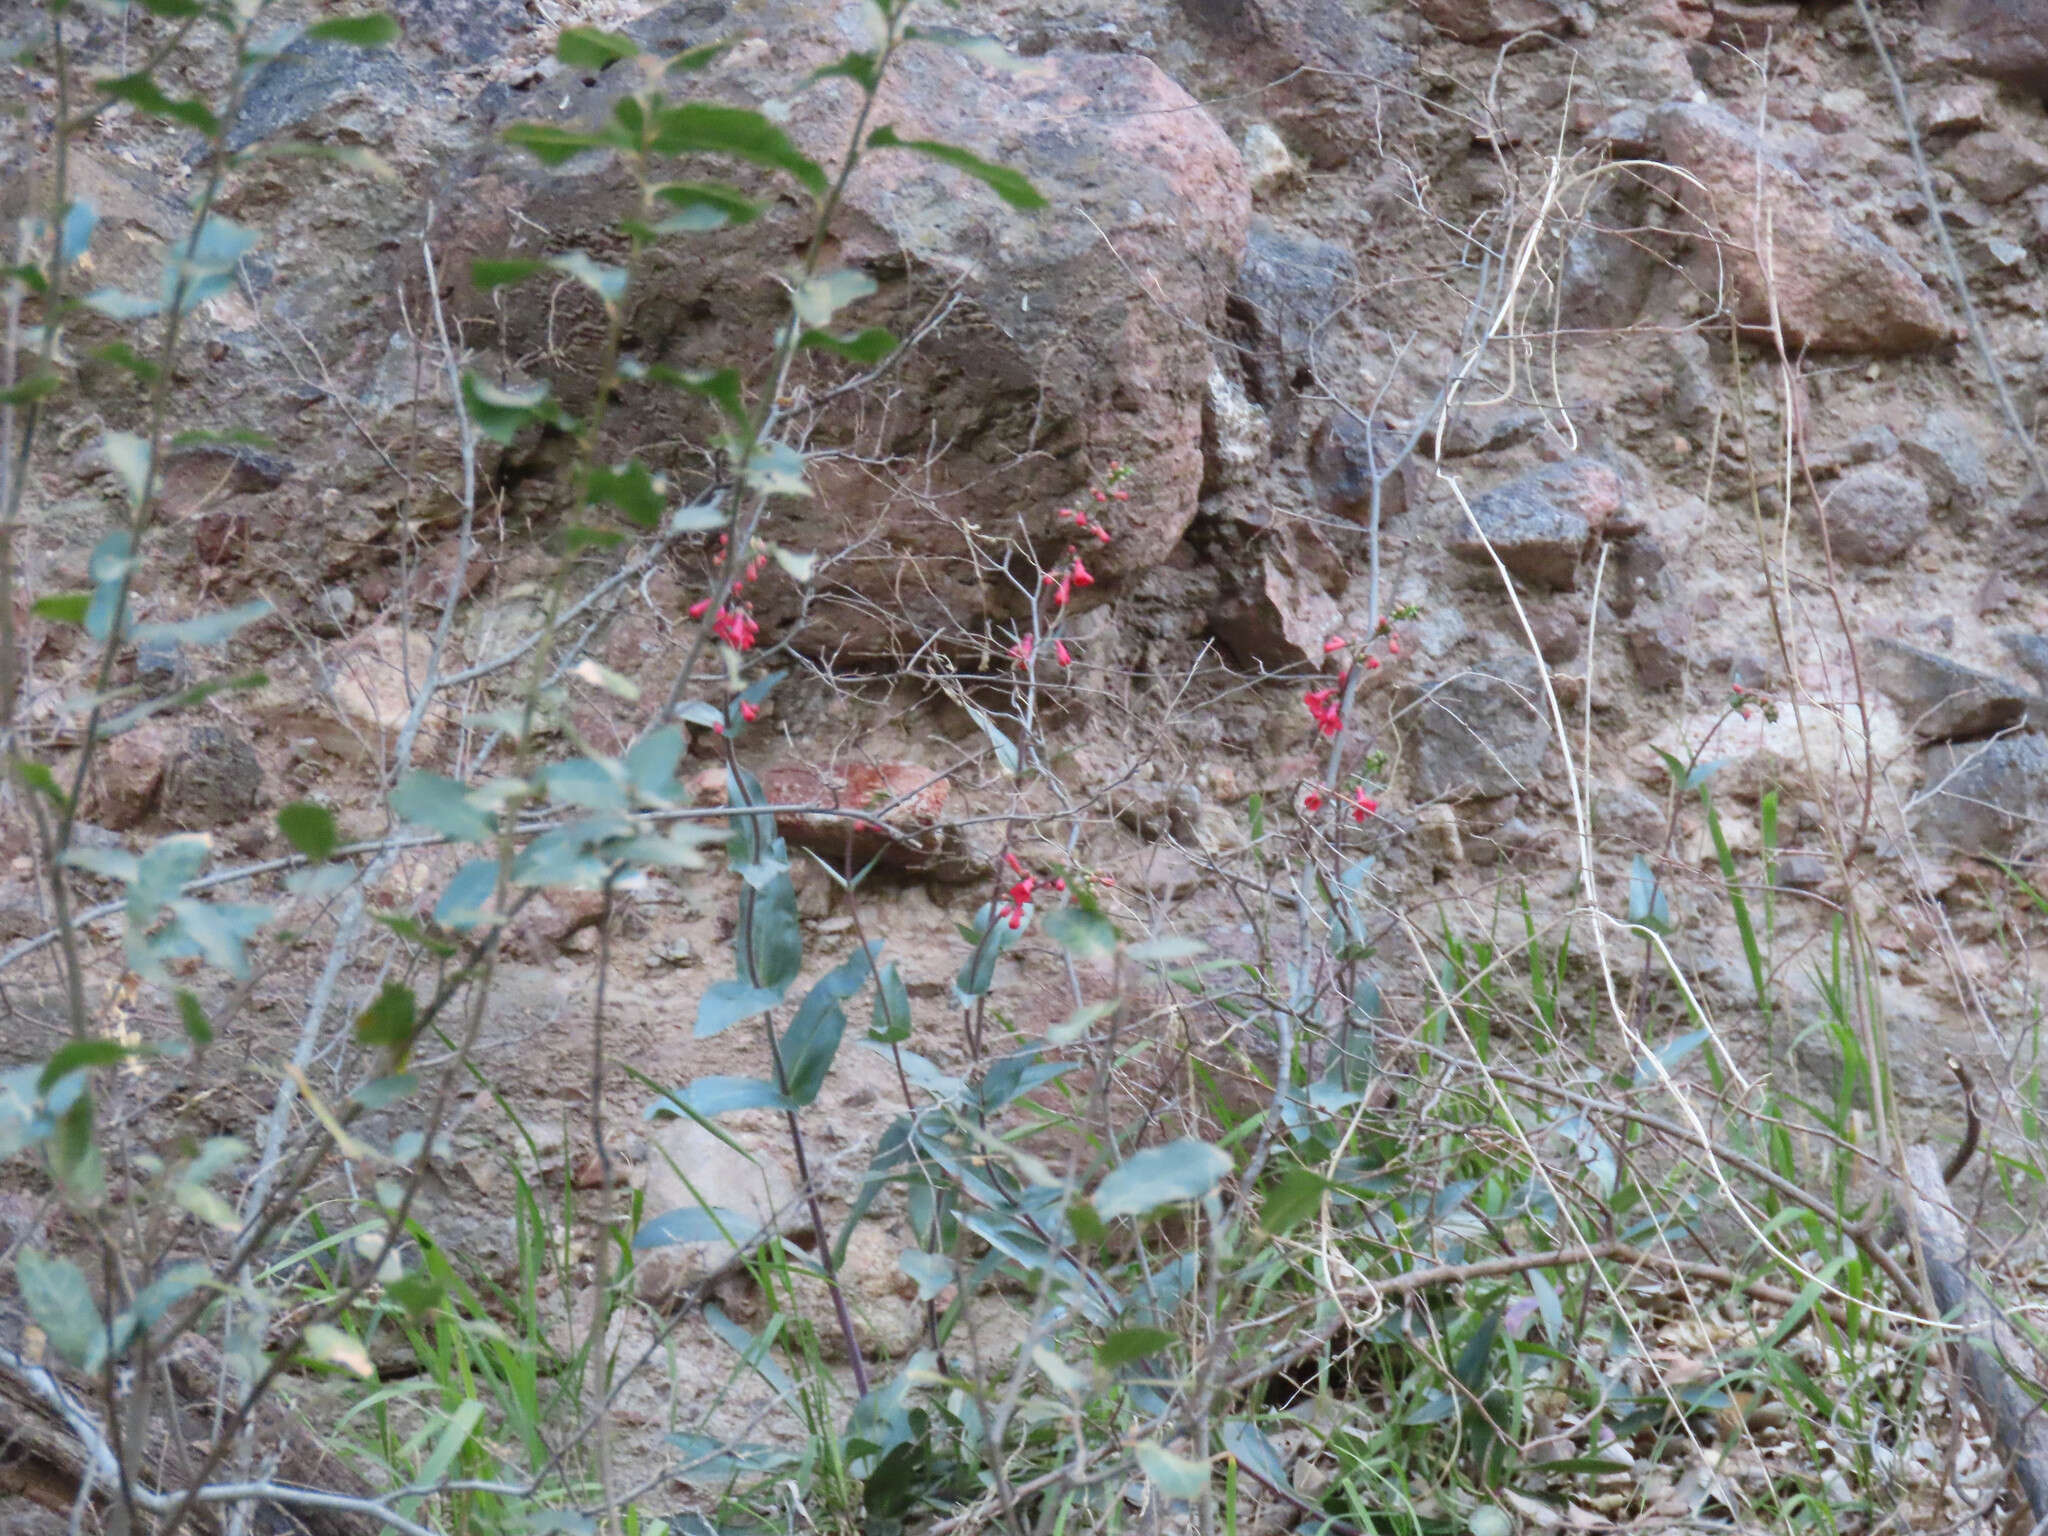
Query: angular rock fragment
x,y
1838,288
1480,734
1941,699
1984,799
1540,524
1876,515
900,806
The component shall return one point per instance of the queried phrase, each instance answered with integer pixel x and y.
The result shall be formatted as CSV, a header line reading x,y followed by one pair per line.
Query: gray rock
x,y
1540,524
1482,733
1635,573
1624,814
1802,872
309,79
1942,699
1290,286
693,1169
1997,167
1482,429
1876,515
2029,653
2004,39
1344,457
1944,450
1984,799
1607,266
1659,641
471,32
1492,21
214,776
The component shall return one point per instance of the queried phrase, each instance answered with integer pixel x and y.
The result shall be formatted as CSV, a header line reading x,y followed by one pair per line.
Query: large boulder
x,y
2005,39
1481,733
1984,799
1838,288
1066,338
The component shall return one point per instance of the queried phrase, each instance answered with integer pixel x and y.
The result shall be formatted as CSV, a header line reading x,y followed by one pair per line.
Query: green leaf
x,y
593,47
553,145
776,469
37,386
375,30
1173,1475
824,295
120,355
933,1272
220,930
128,456
639,495
163,871
1295,1195
466,900
334,1346
198,1028
988,52
726,1003
79,1056
693,1224
692,59
207,629
710,1097
867,347
704,205
1081,932
59,1298
773,936
391,1020
1128,1344
62,607
859,67
1012,187
310,829
116,305
1167,949
590,783
721,386
488,273
417,1293
1647,907
705,128
499,411
809,1046
650,765
1173,1174
608,283
441,805
145,95
892,1008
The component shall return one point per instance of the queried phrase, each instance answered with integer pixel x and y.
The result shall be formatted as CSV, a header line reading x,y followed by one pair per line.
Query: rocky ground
x,y
1277,230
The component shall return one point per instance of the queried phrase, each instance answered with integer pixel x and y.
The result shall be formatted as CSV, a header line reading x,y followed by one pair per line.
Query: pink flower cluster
x,y
1019,896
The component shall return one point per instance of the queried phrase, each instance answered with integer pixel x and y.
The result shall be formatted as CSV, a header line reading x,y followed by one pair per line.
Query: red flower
x,y
1121,495
1098,495
749,711
1393,643
1372,663
1311,801
1067,514
1080,576
1101,533
1362,805
1011,859
1021,651
697,609
1334,644
736,627
1059,649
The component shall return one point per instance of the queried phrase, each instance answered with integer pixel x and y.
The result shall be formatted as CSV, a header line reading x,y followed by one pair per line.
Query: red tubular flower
x,y
1311,801
1362,805
1393,643
1099,495
749,711
1372,663
1065,656
1101,534
1334,644
1080,576
699,608
1021,651
1059,885
1010,859
1121,495
1066,514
